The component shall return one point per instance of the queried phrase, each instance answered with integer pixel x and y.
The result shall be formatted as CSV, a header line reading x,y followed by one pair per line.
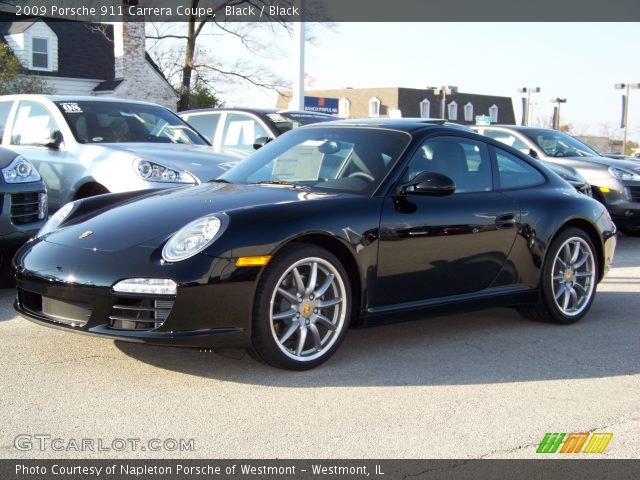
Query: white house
x,y
77,58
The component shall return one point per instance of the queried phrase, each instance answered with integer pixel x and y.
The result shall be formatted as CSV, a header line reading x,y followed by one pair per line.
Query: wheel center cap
x,y
568,275
306,309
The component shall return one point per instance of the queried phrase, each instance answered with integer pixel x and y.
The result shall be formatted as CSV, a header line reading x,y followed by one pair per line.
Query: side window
x,y
516,173
5,109
205,124
33,123
507,139
463,160
240,131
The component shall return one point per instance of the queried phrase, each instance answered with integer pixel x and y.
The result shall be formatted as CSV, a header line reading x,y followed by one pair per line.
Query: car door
x,y
204,123
436,246
239,133
59,169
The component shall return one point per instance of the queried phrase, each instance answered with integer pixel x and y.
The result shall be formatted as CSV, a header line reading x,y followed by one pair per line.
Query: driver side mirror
x,y
260,142
429,183
54,140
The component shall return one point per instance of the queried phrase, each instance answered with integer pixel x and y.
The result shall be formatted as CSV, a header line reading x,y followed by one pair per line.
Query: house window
x,y
425,108
493,113
453,111
374,107
344,108
468,112
40,53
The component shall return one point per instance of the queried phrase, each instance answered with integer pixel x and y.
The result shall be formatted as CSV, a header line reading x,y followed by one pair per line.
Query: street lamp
x,y
556,111
625,109
444,91
525,107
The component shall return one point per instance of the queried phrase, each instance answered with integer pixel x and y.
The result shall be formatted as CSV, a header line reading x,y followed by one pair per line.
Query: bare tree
x,y
175,49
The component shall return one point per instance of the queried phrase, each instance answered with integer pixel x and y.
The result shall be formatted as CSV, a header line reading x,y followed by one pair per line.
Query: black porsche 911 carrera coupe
x,y
340,224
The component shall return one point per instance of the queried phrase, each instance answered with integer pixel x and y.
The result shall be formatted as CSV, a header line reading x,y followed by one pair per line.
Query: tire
x,y
633,231
297,326
569,279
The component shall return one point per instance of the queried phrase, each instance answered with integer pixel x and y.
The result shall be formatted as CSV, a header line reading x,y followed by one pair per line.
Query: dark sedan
x,y
332,225
234,131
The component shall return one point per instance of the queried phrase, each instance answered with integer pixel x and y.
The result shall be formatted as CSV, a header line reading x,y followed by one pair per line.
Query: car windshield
x,y
558,144
348,159
285,121
123,122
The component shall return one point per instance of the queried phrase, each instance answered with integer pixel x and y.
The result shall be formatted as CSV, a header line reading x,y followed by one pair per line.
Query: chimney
x,y
129,48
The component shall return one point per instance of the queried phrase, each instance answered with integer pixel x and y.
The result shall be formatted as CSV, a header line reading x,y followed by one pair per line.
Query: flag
x,y
309,80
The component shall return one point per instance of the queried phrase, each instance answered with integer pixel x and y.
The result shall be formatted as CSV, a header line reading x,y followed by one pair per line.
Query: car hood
x,y
150,219
609,162
565,172
199,160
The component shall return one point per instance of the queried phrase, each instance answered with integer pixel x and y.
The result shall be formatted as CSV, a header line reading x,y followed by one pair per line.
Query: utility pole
x,y
556,111
444,91
625,110
525,107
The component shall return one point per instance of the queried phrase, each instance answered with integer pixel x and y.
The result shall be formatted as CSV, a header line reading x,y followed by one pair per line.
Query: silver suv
x,y
84,146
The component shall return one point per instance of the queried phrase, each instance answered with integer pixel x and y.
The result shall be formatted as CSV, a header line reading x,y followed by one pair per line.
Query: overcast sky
x,y
579,61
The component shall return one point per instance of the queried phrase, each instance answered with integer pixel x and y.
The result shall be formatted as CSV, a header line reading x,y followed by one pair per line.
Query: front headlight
x,y
194,237
56,219
623,174
154,172
20,171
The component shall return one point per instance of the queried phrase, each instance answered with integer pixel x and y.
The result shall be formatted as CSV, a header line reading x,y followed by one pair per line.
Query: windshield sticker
x,y
97,139
276,117
71,108
298,164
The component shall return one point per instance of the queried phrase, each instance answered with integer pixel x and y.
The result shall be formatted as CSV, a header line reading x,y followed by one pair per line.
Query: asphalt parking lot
x,y
487,384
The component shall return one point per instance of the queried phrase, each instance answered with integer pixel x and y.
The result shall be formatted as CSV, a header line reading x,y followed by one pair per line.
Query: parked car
x,y
618,156
336,224
84,146
23,205
235,130
615,183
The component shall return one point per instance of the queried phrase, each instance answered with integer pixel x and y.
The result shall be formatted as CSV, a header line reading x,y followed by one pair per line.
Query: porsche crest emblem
x,y
86,234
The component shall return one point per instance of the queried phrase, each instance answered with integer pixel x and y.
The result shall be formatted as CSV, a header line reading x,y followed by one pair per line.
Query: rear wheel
x,y
569,278
302,308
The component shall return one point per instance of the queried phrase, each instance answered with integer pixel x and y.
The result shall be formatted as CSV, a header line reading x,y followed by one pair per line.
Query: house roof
x,y
108,85
85,50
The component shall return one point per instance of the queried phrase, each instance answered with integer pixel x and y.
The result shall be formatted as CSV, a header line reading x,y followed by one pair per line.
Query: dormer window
x,y
453,111
374,107
40,53
493,113
468,112
425,108
344,107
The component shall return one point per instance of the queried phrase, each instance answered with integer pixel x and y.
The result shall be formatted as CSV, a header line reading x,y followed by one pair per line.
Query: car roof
x,y
73,98
402,124
259,111
519,128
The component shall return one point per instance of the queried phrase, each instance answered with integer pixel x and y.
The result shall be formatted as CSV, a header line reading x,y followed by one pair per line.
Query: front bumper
x,y
622,200
211,309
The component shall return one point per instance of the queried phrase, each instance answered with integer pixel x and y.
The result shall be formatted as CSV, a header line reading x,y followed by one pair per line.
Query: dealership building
x,y
406,102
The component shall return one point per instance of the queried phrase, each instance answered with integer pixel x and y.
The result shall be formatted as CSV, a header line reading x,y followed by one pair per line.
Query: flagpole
x,y
297,100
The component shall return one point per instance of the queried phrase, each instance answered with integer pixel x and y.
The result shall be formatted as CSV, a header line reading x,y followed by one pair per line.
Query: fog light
x,y
605,189
151,286
42,206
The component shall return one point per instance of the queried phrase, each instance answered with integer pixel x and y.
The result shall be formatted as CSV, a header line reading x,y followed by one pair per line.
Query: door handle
x,y
506,220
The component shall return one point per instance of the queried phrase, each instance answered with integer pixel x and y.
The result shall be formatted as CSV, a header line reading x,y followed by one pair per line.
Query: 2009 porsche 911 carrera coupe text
x,y
331,225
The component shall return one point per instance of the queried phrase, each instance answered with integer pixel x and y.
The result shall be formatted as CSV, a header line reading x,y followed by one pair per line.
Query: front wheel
x,y
302,308
569,278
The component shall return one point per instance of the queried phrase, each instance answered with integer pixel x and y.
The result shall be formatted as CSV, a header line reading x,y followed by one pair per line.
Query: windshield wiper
x,y
277,182
219,180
